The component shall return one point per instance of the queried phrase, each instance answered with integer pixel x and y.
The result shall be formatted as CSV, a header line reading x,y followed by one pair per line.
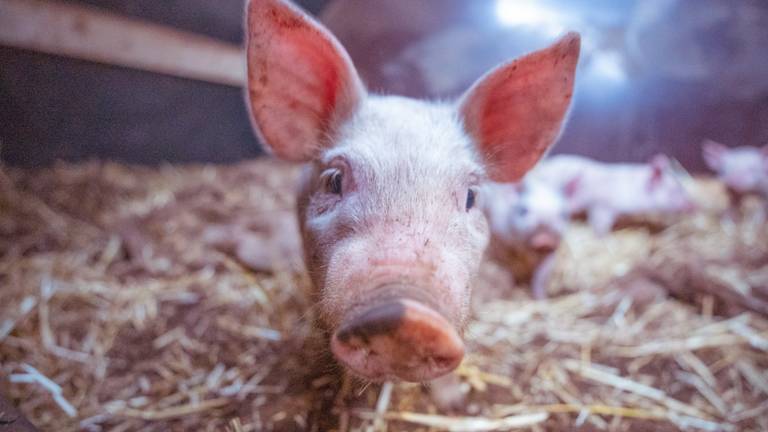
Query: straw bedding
x,y
128,302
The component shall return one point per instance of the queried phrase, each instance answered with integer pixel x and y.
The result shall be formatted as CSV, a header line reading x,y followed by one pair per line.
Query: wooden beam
x,y
71,30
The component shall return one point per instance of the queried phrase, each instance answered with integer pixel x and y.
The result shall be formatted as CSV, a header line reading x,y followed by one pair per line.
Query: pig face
x,y
742,169
540,216
530,215
665,189
391,230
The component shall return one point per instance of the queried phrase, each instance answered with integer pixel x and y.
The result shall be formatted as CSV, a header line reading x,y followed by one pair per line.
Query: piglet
x,y
606,192
743,170
392,235
527,221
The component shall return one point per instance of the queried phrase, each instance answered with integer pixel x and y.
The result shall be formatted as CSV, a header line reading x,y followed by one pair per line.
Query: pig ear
x,y
516,111
713,153
301,82
659,165
572,186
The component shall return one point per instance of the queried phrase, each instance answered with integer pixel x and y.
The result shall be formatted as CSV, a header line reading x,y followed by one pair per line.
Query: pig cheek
x,y
558,226
479,234
323,238
316,257
461,264
456,276
337,296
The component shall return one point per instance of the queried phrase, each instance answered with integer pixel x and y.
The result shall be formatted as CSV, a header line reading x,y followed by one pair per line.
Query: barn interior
x,y
151,269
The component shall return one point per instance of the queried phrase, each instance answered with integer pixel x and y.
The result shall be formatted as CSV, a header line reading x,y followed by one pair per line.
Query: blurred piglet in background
x,y
609,192
527,221
743,170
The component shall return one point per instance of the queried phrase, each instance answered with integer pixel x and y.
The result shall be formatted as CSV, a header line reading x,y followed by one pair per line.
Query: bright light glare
x,y
529,13
609,66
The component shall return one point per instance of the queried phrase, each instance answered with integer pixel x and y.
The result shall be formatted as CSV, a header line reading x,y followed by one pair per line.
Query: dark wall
x,y
55,108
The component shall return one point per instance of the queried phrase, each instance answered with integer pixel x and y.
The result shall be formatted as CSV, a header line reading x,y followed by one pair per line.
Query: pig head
x,y
527,221
392,234
744,170
531,214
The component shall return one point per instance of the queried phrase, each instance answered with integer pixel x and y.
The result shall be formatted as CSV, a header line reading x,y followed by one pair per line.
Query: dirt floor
x,y
173,299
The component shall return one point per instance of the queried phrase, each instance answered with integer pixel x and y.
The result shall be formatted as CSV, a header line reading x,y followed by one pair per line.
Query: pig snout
x,y
689,207
544,240
398,337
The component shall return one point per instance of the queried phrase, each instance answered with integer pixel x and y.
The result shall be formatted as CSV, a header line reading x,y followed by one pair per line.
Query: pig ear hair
x,y
713,153
301,82
516,111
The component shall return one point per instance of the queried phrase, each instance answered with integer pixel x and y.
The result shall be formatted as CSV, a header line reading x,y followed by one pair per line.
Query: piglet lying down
x,y
606,192
743,171
391,234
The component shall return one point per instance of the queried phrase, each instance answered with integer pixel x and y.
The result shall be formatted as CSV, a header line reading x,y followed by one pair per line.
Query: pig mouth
x,y
401,339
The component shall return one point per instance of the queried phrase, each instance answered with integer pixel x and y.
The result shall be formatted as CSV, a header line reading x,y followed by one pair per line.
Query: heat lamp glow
x,y
529,13
609,66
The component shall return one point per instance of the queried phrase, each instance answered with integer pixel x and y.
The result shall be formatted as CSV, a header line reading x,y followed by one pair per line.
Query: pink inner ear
x,y
301,83
516,112
572,186
657,174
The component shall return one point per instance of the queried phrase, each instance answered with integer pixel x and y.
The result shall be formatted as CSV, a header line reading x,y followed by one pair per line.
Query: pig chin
x,y
397,328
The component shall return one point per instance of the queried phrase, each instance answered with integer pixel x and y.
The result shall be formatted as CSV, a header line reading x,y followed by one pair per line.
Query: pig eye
x,y
333,183
470,198
522,211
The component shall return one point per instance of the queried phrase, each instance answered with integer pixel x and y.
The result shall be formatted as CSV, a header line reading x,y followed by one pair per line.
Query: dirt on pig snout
x,y
125,305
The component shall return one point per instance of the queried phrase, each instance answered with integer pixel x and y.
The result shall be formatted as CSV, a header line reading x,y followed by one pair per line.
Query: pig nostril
x,y
437,362
356,345
404,338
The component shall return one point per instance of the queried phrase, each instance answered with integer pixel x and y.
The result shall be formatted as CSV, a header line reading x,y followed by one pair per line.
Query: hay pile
x,y
117,313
